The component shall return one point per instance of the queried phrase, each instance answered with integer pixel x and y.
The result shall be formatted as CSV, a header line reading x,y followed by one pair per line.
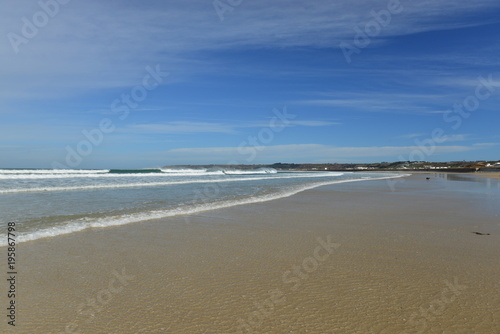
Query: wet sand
x,y
364,257
491,175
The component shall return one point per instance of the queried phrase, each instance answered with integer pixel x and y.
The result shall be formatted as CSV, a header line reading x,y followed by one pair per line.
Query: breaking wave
x,y
86,223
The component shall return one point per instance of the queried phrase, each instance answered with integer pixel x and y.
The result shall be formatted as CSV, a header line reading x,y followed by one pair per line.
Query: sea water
x,y
47,203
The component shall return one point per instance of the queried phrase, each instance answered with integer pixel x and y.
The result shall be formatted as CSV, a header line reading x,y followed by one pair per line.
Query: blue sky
x,y
397,97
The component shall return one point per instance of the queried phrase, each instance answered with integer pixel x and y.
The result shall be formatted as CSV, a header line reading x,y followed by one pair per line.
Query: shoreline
x,y
264,267
140,217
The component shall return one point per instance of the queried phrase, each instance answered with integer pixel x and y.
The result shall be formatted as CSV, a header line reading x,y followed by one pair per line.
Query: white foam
x,y
83,224
218,171
7,174
61,175
159,184
250,172
72,175
53,171
184,170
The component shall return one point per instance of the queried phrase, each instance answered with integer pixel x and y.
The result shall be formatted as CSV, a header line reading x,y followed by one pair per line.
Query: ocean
x,y
46,203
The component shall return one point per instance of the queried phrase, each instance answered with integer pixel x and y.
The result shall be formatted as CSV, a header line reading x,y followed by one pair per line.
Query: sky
x,y
143,84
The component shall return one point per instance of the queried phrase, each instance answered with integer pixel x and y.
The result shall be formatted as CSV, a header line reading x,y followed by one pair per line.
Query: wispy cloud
x,y
107,44
469,83
412,135
455,138
438,111
486,144
313,123
184,127
380,102
444,139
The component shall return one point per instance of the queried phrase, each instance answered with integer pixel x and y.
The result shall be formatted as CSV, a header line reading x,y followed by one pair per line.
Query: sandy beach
x,y
376,257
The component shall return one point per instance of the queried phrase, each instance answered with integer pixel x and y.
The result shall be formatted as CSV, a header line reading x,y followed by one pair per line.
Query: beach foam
x,y
157,184
86,223
12,174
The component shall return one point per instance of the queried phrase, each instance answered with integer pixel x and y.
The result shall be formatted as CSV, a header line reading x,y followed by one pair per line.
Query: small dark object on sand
x,y
479,233
427,178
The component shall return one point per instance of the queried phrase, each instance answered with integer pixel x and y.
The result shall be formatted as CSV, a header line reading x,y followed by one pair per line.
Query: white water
x,y
83,224
157,184
48,203
28,174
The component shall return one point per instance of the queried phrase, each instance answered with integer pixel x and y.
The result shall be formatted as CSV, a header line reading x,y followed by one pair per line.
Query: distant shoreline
x,y
422,166
491,174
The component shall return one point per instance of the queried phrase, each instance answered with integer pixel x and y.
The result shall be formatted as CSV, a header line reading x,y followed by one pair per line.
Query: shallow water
x,y
46,203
